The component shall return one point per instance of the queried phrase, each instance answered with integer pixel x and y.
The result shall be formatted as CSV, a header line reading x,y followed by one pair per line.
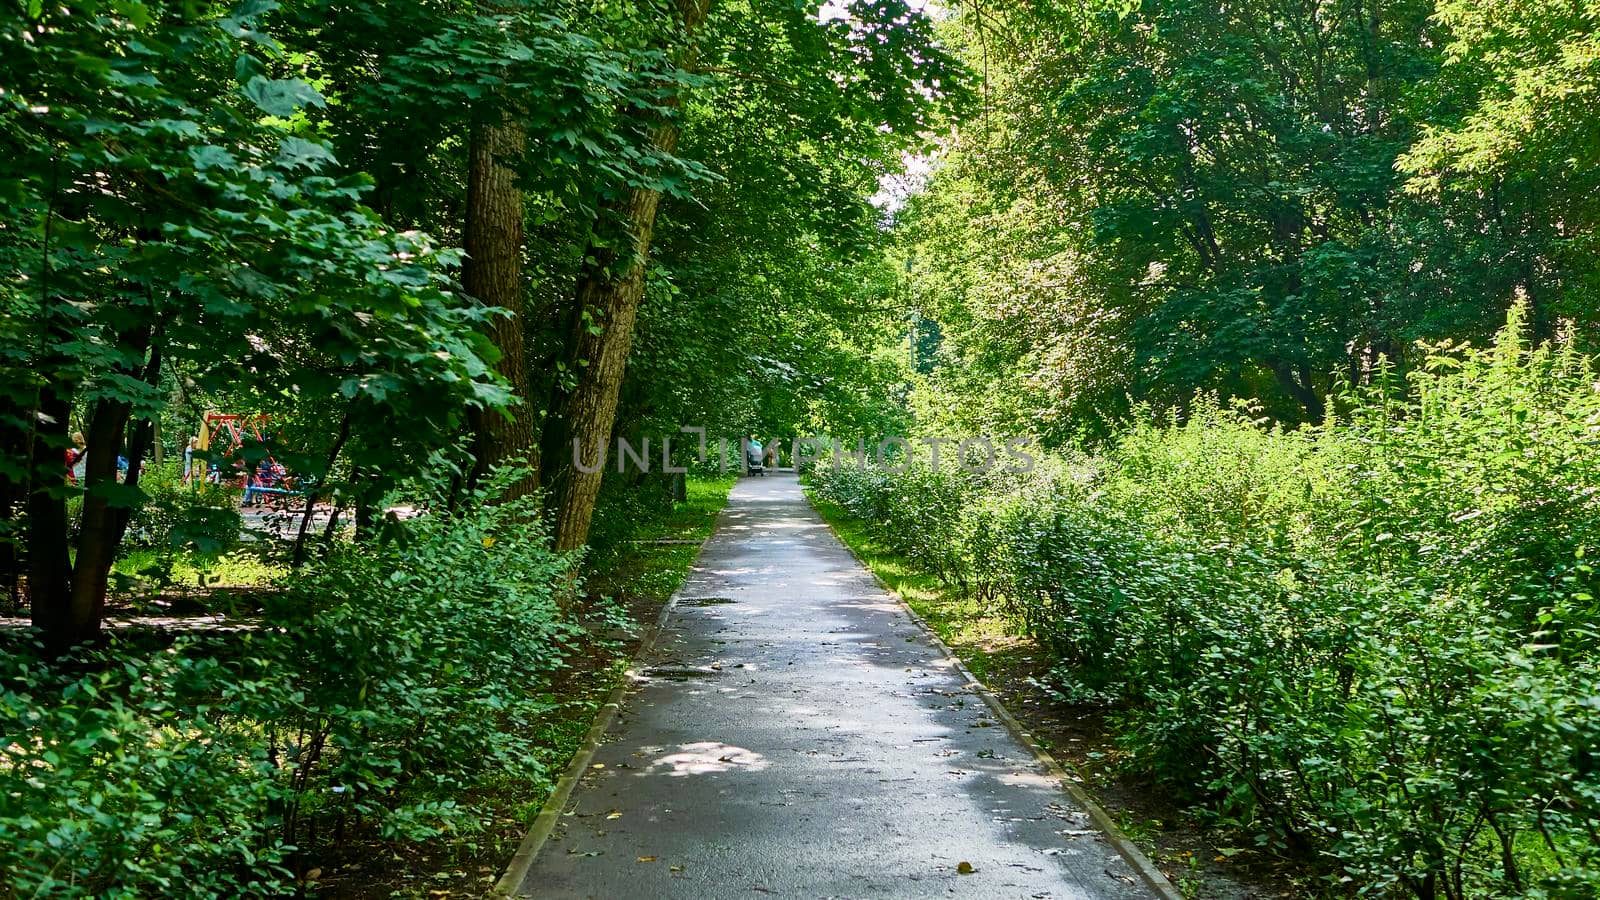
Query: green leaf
x,y
281,97
247,67
294,153
212,157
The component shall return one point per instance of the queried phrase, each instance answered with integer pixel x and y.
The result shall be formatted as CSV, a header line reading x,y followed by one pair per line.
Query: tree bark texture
x,y
99,529
493,274
49,557
1298,382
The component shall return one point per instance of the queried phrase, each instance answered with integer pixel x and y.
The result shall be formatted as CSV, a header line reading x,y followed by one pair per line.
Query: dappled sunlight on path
x,y
795,733
704,757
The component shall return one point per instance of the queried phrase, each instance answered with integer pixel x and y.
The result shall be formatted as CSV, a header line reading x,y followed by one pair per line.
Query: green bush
x,y
384,684
203,517
1371,643
137,779
416,668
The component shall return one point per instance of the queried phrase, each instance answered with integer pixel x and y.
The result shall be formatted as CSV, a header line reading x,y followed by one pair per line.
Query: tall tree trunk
x,y
14,445
1297,381
105,519
49,558
610,288
67,597
50,599
98,531
143,443
493,274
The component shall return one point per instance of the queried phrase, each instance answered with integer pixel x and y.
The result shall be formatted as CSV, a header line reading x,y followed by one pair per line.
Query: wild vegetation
x,y
1368,644
373,689
380,224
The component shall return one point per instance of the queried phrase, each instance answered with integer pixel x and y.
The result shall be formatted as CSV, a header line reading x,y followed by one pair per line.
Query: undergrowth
x,y
404,691
1371,645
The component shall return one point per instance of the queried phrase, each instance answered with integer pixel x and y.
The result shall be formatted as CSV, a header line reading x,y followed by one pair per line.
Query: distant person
x,y
268,475
188,459
770,458
752,453
77,459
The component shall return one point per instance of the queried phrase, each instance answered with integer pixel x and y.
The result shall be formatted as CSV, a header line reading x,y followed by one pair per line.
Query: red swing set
x,y
228,433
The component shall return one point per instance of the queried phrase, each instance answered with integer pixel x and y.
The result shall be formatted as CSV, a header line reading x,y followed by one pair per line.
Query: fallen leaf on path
x,y
614,814
645,859
964,868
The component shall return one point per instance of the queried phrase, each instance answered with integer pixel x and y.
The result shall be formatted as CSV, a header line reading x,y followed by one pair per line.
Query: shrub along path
x,y
797,734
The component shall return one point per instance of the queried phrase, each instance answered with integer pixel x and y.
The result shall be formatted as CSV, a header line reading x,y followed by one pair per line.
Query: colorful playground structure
x,y
222,436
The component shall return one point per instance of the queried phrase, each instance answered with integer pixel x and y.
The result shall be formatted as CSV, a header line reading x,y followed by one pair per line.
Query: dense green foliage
x,y
1257,199
1178,229
178,516
266,208
1227,263
381,686
161,195
260,207
773,307
1371,641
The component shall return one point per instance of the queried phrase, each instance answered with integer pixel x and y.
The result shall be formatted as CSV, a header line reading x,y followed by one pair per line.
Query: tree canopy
x,y
438,214
1259,199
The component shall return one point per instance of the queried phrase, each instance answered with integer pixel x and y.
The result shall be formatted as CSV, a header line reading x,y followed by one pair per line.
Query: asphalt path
x,y
795,733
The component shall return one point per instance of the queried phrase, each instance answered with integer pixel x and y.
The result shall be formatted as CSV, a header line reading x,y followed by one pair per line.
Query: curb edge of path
x,y
544,823
1126,848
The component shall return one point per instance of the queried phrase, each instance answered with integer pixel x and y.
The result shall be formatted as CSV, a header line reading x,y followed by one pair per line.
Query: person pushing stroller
x,y
754,457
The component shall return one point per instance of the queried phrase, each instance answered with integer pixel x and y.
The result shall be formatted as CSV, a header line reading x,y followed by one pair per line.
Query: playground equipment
x,y
228,433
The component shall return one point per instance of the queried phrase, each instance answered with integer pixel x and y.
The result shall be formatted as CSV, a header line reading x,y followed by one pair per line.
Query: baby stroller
x,y
754,458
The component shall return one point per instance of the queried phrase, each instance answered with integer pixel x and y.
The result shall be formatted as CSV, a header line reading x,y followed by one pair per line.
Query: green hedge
x,y
381,685
1372,643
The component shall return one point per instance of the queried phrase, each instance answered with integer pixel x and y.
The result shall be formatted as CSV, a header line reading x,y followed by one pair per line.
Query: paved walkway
x,y
799,736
